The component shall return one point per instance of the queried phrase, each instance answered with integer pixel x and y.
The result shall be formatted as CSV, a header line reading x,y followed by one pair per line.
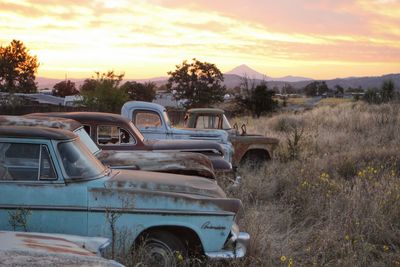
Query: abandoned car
x,y
153,122
39,249
172,162
50,178
249,148
114,132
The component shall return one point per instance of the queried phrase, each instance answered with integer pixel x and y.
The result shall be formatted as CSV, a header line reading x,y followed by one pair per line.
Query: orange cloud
x,y
147,38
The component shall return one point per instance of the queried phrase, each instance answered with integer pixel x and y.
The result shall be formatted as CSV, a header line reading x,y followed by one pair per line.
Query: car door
x,y
33,193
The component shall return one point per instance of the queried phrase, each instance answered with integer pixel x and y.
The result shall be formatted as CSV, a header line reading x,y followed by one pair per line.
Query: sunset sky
x,y
317,39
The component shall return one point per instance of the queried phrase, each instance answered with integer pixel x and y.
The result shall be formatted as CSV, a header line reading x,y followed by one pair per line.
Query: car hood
x,y
185,145
171,183
254,138
178,162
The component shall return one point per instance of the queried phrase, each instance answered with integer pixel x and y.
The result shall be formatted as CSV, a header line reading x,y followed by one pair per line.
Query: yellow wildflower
x,y
283,258
385,248
290,263
347,237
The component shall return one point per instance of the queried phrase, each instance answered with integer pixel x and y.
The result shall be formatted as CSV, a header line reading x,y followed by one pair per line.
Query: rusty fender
x,y
215,206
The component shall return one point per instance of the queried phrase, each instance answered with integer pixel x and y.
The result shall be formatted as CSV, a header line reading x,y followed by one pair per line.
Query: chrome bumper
x,y
235,248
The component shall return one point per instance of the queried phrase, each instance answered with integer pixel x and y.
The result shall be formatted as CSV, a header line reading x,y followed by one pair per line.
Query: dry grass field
x,y
331,101
330,196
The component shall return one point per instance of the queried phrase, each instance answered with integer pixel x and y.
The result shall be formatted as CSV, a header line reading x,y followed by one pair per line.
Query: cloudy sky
x,y
146,38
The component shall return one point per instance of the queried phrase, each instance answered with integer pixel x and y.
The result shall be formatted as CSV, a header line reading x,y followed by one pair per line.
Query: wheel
x,y
253,160
161,248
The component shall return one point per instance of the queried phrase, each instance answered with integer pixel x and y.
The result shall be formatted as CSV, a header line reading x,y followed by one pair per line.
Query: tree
x,y
104,93
372,96
65,88
339,90
385,94
256,98
387,91
89,85
198,83
288,89
17,69
140,91
316,88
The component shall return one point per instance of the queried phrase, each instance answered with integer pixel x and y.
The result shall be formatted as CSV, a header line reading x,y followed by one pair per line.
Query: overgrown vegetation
x,y
255,98
103,93
336,203
383,95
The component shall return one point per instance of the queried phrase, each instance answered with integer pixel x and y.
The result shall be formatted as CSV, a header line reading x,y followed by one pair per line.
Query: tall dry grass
x,y
337,201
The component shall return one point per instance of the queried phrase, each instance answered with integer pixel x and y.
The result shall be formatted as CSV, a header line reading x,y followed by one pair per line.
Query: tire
x,y
162,248
253,160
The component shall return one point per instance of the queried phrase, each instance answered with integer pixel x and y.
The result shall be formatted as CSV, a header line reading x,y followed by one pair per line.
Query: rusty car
x,y
52,174
252,149
172,162
114,132
38,249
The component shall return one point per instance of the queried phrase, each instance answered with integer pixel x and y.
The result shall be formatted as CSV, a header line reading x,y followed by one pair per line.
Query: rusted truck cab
x,y
252,148
153,122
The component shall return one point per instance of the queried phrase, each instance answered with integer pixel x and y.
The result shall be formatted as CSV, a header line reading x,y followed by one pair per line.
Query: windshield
x,y
87,140
136,131
225,123
78,162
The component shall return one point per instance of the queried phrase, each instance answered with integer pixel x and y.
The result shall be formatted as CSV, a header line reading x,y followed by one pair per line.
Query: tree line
x,y
195,83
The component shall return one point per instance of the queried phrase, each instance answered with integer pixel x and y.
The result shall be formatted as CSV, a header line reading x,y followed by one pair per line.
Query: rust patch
x,y
27,120
33,241
55,249
41,237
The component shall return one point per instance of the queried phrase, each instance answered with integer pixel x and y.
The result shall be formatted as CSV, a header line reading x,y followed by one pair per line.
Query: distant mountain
x,y
292,79
246,71
365,82
44,83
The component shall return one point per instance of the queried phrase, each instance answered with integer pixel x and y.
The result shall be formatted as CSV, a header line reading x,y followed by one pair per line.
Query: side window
x,y
146,119
25,162
207,122
113,135
46,166
87,129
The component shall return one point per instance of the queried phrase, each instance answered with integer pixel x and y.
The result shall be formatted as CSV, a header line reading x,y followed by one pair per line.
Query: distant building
x,y
72,100
43,98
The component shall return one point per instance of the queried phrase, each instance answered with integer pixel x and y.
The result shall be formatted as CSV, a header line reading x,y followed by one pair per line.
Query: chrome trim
x,y
120,210
101,249
240,243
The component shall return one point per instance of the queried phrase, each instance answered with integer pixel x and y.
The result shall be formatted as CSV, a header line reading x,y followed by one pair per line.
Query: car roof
x,y
142,105
206,110
35,133
31,120
86,116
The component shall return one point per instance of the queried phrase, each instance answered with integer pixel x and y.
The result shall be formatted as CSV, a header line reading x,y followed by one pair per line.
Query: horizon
x,y
147,38
225,73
